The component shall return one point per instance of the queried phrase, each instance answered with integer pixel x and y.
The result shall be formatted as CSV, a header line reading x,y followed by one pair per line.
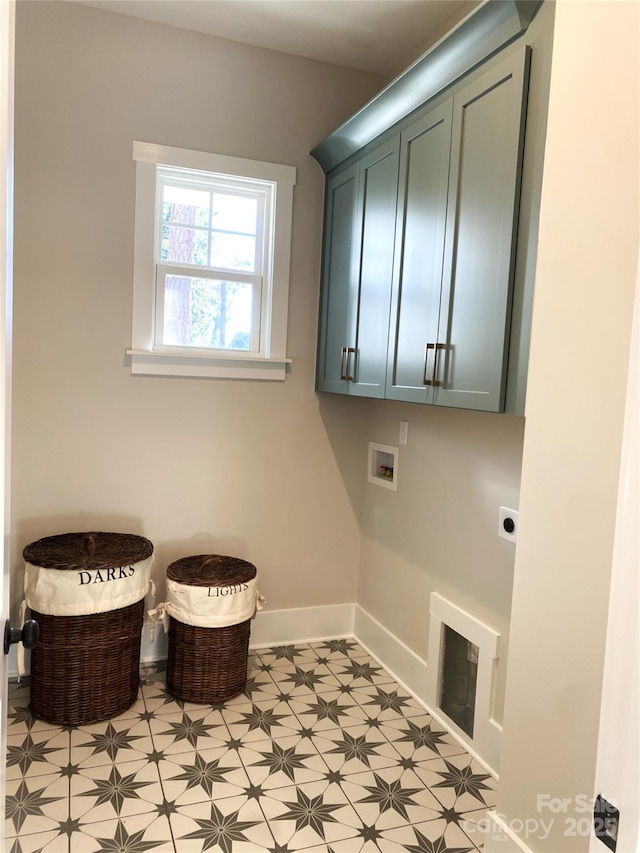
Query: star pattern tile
x,y
435,845
283,759
321,752
352,746
114,790
189,729
25,802
203,774
303,678
423,736
20,714
389,700
220,830
263,719
391,795
464,781
362,670
106,742
339,647
310,811
27,752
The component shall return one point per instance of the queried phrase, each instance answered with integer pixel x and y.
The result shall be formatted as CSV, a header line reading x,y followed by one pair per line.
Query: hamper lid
x,y
88,550
211,570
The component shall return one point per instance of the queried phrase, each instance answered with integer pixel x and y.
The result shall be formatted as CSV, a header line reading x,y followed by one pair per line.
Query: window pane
x,y
234,213
190,207
183,245
232,252
203,312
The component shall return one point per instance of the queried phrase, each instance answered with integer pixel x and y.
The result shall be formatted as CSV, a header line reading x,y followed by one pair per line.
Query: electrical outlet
x,y
404,432
508,524
606,822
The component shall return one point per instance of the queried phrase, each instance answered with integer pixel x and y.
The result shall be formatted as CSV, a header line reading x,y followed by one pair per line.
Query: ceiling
x,y
370,35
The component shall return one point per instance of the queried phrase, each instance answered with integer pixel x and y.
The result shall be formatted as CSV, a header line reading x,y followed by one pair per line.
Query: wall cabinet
x,y
420,242
357,274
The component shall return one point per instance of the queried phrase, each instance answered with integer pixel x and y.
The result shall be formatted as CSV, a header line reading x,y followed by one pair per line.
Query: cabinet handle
x,y
436,349
427,347
348,377
343,353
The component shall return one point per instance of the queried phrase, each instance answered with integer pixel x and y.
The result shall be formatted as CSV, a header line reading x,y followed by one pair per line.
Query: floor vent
x,y
461,663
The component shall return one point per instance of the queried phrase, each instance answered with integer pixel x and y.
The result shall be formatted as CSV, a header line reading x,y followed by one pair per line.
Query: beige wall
x,y
264,471
575,409
438,532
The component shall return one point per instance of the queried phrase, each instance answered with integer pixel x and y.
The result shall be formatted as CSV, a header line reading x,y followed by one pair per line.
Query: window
x,y
211,264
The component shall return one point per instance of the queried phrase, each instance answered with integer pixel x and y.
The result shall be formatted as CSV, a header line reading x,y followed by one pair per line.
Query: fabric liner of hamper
x,y
211,606
74,583
81,592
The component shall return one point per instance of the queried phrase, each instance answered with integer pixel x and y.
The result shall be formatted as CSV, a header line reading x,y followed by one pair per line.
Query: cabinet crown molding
x,y
487,30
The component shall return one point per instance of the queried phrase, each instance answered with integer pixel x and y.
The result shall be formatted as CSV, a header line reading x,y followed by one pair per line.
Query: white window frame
x,y
268,361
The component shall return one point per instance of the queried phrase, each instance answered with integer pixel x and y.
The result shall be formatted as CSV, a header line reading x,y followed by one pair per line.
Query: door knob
x,y
27,635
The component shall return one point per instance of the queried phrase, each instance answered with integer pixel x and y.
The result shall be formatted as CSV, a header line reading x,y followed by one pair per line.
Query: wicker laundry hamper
x,y
209,664
85,668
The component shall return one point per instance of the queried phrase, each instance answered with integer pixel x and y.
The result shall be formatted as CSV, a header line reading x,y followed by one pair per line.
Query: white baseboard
x,y
302,625
499,838
405,665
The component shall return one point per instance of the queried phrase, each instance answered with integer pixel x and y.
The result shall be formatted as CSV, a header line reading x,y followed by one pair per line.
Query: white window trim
x,y
147,359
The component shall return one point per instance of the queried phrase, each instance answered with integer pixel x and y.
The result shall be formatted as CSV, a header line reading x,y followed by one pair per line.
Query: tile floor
x,y
322,753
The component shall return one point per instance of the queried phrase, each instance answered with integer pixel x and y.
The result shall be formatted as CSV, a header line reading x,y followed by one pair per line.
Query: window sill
x,y
148,363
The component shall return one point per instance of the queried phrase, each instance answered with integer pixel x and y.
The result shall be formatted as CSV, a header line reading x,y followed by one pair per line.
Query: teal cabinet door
x,y
367,365
357,271
340,264
479,257
417,284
